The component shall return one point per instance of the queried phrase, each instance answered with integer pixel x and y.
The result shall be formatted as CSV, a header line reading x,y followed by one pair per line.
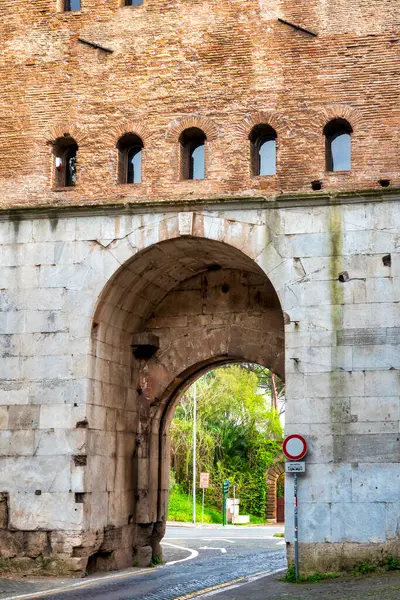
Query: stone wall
x,y
84,424
223,66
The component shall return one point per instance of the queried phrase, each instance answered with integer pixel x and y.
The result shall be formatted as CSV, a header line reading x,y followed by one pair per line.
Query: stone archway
x,y
273,475
172,312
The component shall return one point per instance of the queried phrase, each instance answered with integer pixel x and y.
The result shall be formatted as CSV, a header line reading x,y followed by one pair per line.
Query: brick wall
x,y
229,64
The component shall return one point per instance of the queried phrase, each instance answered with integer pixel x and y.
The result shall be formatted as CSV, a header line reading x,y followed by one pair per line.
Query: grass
x,y
180,510
290,577
362,569
257,520
280,535
155,561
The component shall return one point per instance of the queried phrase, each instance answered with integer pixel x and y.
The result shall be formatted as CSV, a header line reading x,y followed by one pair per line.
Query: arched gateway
x,y
169,313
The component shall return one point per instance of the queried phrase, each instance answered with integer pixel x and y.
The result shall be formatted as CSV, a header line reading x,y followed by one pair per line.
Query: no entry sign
x,y
294,447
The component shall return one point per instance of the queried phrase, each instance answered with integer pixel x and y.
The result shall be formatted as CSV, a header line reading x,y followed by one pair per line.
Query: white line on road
x,y
247,580
264,537
223,550
99,580
280,543
193,554
79,584
221,539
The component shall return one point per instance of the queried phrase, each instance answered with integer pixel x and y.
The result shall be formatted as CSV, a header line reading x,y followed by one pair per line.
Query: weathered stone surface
x,y
4,499
336,557
142,557
230,268
23,417
29,511
76,390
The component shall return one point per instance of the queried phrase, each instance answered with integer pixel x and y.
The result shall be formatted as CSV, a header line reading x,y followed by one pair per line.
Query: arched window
x,y
130,148
133,2
70,5
192,143
338,145
263,150
65,150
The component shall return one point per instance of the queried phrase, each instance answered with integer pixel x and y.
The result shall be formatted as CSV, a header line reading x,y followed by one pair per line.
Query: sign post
x,y
226,484
295,448
204,484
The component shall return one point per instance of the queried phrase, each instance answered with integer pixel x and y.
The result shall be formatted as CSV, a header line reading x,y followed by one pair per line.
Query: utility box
x,y
232,509
241,519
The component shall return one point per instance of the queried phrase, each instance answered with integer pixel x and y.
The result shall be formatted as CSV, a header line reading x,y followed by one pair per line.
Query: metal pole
x,y
296,528
224,510
202,510
194,448
234,503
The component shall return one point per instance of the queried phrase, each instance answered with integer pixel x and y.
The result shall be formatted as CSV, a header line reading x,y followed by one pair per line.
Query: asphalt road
x,y
197,559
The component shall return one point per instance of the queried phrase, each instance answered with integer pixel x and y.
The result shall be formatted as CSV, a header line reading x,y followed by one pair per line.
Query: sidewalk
x,y
381,587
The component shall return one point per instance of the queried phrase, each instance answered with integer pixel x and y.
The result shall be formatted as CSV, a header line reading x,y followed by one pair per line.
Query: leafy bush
x,y
364,568
392,564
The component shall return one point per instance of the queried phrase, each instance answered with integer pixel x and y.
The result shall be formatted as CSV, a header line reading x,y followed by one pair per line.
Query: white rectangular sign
x,y
204,480
295,467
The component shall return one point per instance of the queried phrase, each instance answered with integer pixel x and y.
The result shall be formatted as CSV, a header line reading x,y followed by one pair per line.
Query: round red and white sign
x,y
294,447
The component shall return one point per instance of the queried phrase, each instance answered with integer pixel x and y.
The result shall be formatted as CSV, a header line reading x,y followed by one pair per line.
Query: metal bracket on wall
x,y
93,45
297,27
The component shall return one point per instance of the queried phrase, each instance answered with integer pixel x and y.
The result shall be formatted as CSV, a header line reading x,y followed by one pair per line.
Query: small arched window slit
x,y
338,145
263,150
192,146
130,149
65,152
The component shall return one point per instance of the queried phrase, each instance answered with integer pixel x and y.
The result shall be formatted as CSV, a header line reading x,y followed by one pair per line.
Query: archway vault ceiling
x,y
142,282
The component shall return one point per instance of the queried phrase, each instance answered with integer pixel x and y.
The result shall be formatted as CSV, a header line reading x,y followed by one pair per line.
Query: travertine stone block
x,y
23,417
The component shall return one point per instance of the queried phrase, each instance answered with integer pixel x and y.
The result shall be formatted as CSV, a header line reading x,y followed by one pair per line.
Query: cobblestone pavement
x,y
223,556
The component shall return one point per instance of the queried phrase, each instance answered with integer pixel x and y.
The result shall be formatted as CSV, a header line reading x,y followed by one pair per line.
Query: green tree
x,y
238,435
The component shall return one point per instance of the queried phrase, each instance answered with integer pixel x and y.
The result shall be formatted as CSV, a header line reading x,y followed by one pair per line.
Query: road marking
x,y
221,539
264,537
280,543
230,585
193,554
223,550
79,585
99,580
